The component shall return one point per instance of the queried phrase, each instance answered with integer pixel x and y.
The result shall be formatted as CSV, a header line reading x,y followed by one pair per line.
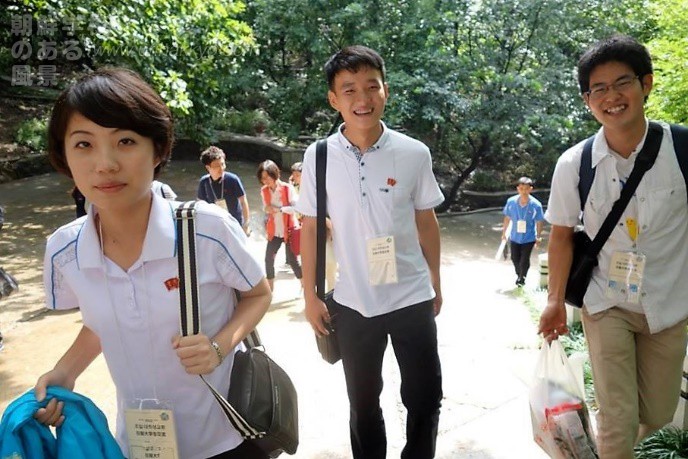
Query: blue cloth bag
x,y
83,435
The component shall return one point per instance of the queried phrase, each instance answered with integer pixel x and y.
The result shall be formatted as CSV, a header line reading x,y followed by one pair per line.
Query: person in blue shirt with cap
x,y
525,212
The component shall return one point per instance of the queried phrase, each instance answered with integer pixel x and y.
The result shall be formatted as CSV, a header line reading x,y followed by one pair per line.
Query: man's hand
x,y
317,315
196,354
553,322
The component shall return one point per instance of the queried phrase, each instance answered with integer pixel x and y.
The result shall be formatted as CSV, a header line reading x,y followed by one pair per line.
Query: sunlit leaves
x,y
669,47
187,49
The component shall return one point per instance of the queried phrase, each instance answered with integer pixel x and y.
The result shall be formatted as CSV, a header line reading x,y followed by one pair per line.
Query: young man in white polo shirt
x,y
636,338
380,198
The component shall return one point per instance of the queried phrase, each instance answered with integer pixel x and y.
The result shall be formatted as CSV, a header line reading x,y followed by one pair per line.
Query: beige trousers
x,y
637,377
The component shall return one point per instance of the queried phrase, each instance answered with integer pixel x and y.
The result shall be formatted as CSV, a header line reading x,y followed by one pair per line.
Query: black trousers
x,y
520,256
362,342
270,252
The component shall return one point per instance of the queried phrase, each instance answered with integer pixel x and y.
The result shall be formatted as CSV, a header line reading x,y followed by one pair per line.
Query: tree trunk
x,y
450,197
479,152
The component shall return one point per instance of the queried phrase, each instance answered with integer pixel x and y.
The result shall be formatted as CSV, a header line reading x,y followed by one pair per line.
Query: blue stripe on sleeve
x,y
52,271
229,255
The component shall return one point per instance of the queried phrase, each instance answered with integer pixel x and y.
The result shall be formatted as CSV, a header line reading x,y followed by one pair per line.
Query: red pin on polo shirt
x,y
391,181
172,283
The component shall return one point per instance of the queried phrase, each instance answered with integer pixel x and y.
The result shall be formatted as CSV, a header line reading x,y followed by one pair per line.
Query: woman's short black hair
x,y
617,48
112,98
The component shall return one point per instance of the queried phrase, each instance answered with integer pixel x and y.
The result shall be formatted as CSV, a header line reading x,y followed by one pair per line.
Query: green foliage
x,y
500,93
250,122
668,443
189,50
669,48
486,180
489,85
33,133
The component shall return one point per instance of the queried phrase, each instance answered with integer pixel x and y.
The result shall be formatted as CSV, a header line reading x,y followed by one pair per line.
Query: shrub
x,y
668,443
33,134
250,122
486,180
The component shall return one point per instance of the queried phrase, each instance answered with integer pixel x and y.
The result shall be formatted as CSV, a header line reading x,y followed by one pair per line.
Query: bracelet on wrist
x,y
218,351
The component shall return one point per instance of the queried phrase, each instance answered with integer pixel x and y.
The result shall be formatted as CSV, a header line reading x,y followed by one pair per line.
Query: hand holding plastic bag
x,y
561,423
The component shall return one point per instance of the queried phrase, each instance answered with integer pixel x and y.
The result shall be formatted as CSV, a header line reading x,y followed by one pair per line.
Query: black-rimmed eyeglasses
x,y
620,85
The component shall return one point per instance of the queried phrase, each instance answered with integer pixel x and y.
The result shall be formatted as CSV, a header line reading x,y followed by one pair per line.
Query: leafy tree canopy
x,y
669,48
489,85
189,50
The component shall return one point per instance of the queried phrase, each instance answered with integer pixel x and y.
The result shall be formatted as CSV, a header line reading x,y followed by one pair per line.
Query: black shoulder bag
x,y
262,402
327,345
585,251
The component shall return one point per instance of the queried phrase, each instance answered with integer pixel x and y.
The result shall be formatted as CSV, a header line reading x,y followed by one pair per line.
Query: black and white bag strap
x,y
190,320
189,312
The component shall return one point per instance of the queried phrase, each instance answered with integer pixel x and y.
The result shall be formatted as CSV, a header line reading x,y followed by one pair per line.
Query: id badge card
x,y
382,261
521,226
151,430
625,277
222,203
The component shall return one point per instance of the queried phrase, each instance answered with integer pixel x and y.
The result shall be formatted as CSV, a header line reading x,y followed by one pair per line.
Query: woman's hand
x,y
51,415
196,354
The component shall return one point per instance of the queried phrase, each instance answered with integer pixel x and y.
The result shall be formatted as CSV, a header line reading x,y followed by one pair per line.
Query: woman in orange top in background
x,y
278,199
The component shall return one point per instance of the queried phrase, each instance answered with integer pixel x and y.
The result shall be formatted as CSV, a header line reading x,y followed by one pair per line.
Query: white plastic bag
x,y
561,423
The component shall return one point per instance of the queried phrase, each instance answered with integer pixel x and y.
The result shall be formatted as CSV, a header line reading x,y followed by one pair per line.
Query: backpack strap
x,y
680,136
586,173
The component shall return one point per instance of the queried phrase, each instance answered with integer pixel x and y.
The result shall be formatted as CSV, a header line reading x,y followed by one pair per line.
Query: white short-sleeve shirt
x,y
661,210
372,195
136,313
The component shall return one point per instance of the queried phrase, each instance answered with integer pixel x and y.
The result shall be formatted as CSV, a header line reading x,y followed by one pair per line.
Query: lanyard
x,y
524,208
222,187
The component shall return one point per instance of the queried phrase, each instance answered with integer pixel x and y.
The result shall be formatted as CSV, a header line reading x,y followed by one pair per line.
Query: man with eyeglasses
x,y
636,336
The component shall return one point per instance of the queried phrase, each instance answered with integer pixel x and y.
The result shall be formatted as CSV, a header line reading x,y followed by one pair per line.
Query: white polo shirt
x,y
374,196
136,313
661,210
